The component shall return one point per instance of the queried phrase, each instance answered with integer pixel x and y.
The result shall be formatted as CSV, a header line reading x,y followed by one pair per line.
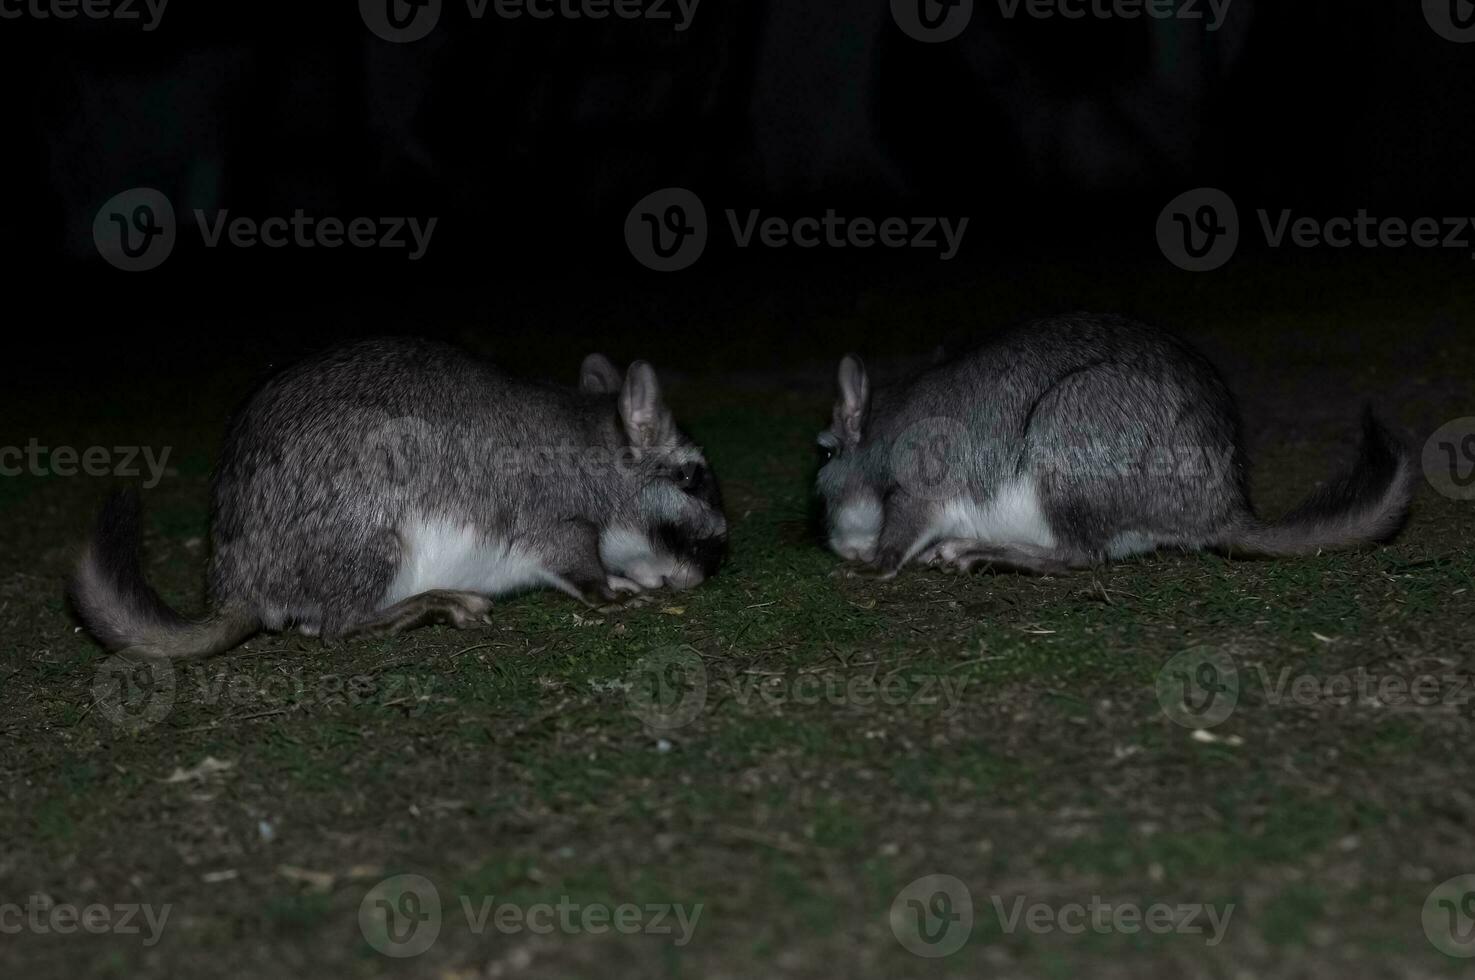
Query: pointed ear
x,y
599,376
854,400
643,411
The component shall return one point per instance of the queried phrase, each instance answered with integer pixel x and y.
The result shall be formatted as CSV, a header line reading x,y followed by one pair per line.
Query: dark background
x,y
531,140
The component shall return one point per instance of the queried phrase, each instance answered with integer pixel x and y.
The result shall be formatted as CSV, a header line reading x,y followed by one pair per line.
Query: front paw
x,y
619,585
882,569
618,593
872,573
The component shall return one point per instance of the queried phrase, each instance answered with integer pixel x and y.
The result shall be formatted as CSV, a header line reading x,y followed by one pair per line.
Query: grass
x,y
1019,747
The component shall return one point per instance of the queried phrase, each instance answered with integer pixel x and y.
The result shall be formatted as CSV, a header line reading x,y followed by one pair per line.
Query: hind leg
x,y
462,610
342,578
967,556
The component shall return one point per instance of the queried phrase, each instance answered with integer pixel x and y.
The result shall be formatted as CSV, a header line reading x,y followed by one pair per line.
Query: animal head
x,y
849,493
669,529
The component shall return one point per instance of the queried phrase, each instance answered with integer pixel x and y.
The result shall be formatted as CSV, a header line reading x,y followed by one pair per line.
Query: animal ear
x,y
854,400
599,376
647,420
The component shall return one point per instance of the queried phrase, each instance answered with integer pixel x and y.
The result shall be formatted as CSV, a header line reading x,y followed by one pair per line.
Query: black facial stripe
x,y
703,552
710,492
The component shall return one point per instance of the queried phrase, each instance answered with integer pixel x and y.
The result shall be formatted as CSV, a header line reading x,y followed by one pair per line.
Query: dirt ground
x,y
757,778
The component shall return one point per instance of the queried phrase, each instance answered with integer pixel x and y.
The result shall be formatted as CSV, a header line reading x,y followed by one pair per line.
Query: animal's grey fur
x,y
328,464
1094,408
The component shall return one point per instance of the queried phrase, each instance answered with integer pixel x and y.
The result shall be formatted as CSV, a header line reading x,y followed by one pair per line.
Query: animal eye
x,y
826,452
690,476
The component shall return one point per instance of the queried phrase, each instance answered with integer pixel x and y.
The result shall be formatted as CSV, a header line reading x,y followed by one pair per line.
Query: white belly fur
x,y
1011,516
439,554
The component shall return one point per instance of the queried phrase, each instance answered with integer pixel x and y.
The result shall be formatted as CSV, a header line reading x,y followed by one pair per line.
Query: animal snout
x,y
685,577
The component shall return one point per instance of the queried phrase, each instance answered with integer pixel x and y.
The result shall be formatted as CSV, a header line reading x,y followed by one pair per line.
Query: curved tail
x,y
1367,505
115,603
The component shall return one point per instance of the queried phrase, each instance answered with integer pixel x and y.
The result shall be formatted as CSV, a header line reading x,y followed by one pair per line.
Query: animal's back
x,y
329,458
1112,425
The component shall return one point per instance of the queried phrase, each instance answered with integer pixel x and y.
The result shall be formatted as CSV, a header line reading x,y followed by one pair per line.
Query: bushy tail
x,y
1365,506
115,603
